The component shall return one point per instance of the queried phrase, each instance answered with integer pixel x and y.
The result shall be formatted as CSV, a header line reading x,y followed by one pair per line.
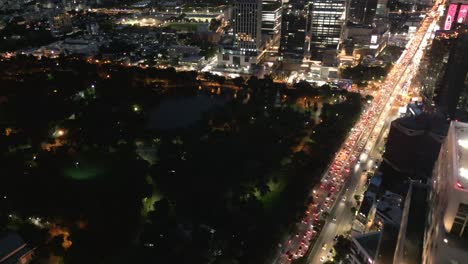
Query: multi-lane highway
x,y
346,175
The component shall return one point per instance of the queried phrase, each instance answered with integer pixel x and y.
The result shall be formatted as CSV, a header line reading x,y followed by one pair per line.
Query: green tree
x,y
342,249
238,81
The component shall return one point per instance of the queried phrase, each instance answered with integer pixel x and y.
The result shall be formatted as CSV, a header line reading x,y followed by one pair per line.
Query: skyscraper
x,y
365,11
445,79
447,225
456,79
326,21
271,21
243,47
293,31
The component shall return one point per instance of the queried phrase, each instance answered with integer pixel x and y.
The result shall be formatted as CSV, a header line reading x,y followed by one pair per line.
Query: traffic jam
x,y
348,159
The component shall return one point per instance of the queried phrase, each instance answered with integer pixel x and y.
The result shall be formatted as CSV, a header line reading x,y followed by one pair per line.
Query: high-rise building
x,y
413,144
293,31
446,236
362,11
326,21
382,9
409,247
271,22
61,24
433,67
243,46
456,79
445,79
374,247
366,11
364,247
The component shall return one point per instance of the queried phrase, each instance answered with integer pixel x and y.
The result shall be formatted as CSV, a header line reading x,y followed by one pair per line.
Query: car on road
x,y
324,247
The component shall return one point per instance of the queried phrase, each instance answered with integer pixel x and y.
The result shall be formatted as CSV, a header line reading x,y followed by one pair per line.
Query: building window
x,y
236,60
225,57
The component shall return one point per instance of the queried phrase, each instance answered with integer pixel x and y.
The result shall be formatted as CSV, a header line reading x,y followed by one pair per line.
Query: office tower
x,y
61,24
456,79
293,31
409,247
444,75
381,10
366,11
445,79
243,47
434,66
247,23
446,236
362,11
271,22
326,21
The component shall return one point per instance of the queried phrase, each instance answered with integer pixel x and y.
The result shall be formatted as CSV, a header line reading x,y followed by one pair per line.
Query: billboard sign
x,y
462,13
452,10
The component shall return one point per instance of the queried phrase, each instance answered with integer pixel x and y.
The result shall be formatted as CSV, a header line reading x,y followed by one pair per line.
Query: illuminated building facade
x,y
447,225
326,21
243,47
61,24
271,21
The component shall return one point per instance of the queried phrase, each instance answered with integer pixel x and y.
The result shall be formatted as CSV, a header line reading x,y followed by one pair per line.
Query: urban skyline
x,y
219,131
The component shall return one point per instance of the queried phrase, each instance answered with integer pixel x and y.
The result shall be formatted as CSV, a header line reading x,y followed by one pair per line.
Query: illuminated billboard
x,y
462,12
373,39
452,10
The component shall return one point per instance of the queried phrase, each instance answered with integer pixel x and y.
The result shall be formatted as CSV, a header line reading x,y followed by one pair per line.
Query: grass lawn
x,y
84,171
148,202
88,166
276,188
184,26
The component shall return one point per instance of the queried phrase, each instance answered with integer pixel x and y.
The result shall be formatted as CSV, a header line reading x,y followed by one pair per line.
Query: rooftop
x,y
369,242
390,207
366,204
388,244
411,236
271,6
12,247
376,180
433,123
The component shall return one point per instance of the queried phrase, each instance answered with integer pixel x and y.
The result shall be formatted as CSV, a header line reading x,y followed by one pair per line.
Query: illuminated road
x,y
396,84
344,177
